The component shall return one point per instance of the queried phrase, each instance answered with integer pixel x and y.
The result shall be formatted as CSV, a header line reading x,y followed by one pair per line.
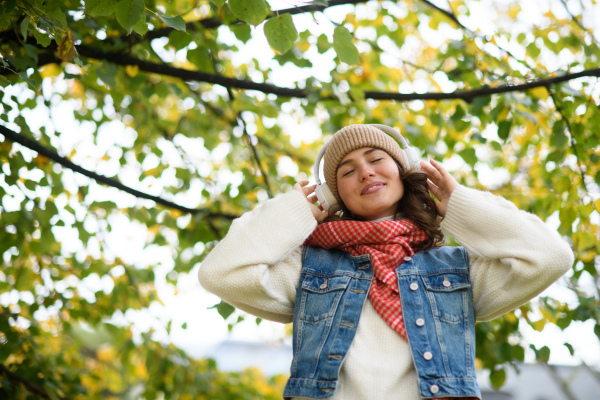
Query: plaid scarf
x,y
388,243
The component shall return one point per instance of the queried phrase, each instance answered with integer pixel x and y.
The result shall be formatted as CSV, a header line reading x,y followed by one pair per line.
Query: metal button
x,y
446,282
427,355
407,258
414,286
323,285
434,389
420,322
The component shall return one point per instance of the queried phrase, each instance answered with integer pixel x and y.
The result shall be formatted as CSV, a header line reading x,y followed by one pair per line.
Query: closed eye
x,y
376,160
348,172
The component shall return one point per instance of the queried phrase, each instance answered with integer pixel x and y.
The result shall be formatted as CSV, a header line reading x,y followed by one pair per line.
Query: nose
x,y
366,171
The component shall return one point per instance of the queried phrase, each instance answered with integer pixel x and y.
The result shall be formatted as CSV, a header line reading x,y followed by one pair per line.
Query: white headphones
x,y
324,194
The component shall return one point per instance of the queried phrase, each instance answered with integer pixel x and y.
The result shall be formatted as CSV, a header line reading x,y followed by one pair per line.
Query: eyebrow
x,y
350,160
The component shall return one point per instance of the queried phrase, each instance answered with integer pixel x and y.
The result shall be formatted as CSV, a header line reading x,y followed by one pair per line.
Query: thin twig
x,y
31,387
579,23
256,157
572,138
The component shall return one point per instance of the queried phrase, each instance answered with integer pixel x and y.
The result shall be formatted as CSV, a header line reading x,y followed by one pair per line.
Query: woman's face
x,y
369,183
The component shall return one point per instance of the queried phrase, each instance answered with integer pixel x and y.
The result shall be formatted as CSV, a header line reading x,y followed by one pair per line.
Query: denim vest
x,y
438,314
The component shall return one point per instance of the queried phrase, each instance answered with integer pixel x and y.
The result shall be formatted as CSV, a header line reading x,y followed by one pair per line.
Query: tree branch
x,y
30,144
31,387
215,22
466,95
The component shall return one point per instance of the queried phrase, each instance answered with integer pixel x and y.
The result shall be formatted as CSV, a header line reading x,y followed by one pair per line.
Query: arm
x,y
514,255
256,267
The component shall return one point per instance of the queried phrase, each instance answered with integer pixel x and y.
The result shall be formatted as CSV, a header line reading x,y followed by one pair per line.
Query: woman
x,y
380,308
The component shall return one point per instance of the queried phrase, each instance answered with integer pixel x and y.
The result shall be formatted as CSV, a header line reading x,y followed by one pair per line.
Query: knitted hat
x,y
354,137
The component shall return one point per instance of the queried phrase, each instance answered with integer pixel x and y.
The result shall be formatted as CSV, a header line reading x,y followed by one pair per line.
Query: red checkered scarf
x,y
387,242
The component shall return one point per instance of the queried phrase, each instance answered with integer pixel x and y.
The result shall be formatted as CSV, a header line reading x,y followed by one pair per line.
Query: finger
x,y
439,167
434,189
432,171
309,189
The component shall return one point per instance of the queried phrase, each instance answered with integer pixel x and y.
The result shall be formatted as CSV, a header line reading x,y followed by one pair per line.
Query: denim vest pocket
x,y
448,294
321,295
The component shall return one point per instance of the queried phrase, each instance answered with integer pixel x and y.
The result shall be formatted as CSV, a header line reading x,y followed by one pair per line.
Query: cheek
x,y
344,192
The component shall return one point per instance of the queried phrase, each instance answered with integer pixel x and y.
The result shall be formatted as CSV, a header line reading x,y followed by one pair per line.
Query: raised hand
x,y
440,183
308,193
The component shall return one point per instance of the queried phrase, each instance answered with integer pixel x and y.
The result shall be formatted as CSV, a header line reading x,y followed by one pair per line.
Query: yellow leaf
x,y
41,161
503,114
539,325
539,92
514,11
511,317
587,256
141,371
50,70
132,70
105,353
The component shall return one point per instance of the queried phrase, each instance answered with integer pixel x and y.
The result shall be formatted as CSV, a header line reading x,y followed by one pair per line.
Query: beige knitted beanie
x,y
354,137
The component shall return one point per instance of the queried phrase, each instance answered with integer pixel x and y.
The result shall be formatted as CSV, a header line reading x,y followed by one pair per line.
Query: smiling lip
x,y
372,188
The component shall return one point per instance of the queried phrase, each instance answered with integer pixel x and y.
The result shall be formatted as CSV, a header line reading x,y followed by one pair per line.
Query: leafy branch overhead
x,y
133,132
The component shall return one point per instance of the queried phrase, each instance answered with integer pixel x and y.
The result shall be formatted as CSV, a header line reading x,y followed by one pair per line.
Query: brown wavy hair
x,y
416,204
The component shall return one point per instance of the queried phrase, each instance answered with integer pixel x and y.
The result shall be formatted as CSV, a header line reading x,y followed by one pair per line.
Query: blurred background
x,y
134,132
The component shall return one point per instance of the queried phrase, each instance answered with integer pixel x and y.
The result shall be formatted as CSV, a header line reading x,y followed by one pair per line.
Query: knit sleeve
x,y
514,255
256,267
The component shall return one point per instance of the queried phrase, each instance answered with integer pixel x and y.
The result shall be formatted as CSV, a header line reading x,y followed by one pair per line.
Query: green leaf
x,y
570,347
100,8
57,18
141,27
343,46
224,309
497,378
504,129
541,355
175,22
469,156
24,77
42,39
201,59
129,13
219,3
323,43
241,31
281,33
252,11
24,26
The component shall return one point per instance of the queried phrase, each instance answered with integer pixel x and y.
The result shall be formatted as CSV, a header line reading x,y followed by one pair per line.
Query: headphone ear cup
x,y
326,198
413,159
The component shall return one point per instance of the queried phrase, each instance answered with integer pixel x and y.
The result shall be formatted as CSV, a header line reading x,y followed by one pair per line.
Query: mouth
x,y
372,188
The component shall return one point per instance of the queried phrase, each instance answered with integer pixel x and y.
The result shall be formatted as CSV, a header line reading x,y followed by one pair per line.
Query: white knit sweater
x,y
256,267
